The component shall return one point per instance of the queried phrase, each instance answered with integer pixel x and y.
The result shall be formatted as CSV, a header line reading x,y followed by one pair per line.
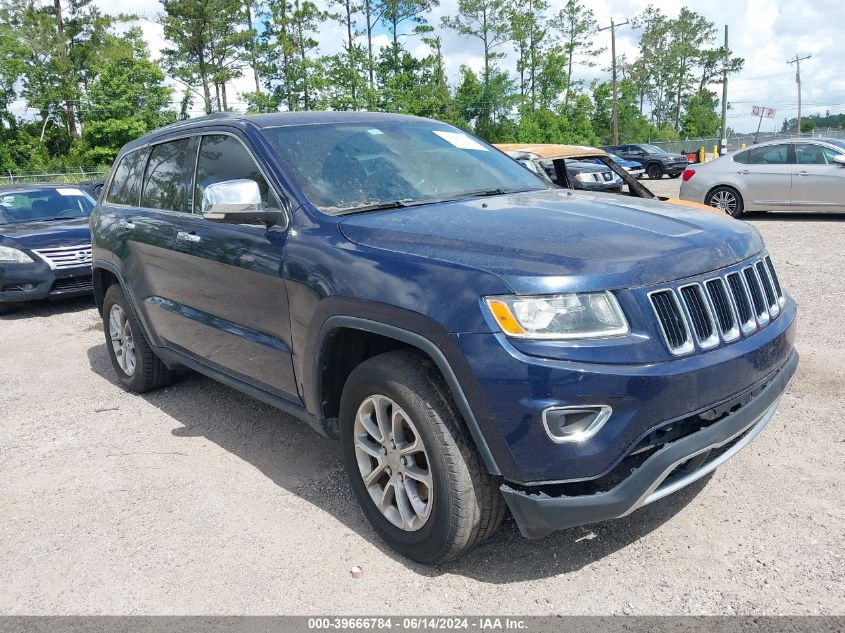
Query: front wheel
x,y
411,462
725,199
7,308
655,171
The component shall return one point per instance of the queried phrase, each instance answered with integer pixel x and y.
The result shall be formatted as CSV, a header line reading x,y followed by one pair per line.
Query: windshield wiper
x,y
378,206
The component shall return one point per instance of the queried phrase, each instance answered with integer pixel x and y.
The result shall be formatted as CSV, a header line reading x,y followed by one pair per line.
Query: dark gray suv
x,y
655,161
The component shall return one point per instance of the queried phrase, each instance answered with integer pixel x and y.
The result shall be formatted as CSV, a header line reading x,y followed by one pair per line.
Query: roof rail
x,y
199,119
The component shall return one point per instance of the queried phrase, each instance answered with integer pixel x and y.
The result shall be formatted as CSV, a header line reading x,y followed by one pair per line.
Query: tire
x,y
674,175
7,308
654,171
146,371
727,199
462,505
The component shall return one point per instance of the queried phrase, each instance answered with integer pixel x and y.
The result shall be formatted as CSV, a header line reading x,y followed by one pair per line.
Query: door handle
x,y
743,172
803,173
188,237
126,224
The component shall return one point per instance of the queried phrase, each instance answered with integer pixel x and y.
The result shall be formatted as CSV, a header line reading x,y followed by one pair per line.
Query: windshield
x,y
346,167
653,149
44,205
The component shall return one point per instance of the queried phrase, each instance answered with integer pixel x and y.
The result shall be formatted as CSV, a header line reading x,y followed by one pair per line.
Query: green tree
x,y
578,28
485,20
700,118
528,31
127,99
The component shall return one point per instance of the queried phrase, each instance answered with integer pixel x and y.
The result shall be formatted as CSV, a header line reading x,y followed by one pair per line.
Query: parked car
x,y
94,187
539,157
585,175
793,175
476,337
655,160
45,243
632,167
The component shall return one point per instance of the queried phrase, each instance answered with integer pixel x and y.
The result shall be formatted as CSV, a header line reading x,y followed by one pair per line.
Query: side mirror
x,y
839,159
236,202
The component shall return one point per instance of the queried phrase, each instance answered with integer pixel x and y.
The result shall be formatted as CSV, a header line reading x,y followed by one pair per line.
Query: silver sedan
x,y
793,175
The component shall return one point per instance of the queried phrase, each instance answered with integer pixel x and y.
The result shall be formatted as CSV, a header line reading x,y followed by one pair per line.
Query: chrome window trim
x,y
712,340
733,333
688,346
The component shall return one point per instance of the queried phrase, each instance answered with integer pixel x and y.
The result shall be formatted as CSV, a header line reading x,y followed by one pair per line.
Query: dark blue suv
x,y
476,338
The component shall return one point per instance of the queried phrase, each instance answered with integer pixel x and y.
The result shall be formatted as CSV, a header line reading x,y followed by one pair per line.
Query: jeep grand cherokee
x,y
475,338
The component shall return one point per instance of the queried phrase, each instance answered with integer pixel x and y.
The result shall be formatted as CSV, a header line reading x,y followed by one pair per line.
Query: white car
x,y
791,175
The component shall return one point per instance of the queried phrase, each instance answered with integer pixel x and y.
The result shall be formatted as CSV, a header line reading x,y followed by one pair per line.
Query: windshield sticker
x,y
461,141
374,131
68,192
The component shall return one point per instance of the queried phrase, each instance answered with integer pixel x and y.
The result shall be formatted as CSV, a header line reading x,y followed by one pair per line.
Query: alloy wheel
x,y
123,344
724,200
393,463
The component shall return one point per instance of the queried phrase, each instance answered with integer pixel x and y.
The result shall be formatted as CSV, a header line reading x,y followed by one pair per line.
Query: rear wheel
x,y
138,368
726,199
411,462
655,171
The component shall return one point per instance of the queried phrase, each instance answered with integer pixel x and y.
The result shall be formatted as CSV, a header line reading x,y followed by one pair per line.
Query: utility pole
x,y
723,146
614,117
797,61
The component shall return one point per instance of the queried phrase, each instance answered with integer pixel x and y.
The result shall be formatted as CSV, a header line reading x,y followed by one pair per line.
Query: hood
x,y
49,234
584,167
559,240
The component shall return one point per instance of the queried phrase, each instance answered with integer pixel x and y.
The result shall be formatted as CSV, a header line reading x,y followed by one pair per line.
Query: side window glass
x,y
741,157
769,155
126,184
164,181
811,154
223,157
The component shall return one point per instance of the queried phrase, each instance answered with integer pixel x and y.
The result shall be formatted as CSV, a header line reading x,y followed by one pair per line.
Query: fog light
x,y
575,424
28,286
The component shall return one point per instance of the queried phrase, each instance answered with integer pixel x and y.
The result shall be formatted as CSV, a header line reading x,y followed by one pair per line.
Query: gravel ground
x,y
197,499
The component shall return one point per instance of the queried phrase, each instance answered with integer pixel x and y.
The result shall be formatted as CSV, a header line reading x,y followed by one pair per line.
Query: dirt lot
x,y
197,499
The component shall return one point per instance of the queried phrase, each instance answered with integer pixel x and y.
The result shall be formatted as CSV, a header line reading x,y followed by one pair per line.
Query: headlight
x,y
588,177
9,255
566,316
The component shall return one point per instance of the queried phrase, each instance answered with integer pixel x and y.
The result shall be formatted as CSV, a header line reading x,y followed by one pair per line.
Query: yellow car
x,y
549,161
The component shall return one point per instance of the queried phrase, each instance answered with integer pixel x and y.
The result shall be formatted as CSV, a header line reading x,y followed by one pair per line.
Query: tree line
x,y
76,83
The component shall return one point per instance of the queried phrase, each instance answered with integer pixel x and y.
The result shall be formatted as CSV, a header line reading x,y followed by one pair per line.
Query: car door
x,y
765,180
230,289
817,182
148,232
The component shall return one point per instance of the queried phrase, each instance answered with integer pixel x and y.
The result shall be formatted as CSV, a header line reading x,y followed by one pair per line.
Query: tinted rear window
x,y
164,181
126,184
769,155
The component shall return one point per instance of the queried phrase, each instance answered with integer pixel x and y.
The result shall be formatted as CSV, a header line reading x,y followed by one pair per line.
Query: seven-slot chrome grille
x,y
722,308
66,256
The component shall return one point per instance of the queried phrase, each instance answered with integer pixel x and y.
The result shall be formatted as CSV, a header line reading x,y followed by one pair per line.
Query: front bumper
x,y
32,282
674,168
675,465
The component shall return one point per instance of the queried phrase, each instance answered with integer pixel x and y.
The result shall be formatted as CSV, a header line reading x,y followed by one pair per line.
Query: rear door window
x,y
769,155
223,157
741,157
126,183
164,179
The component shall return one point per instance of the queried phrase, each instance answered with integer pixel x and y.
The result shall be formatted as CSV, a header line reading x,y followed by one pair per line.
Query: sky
x,y
764,32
